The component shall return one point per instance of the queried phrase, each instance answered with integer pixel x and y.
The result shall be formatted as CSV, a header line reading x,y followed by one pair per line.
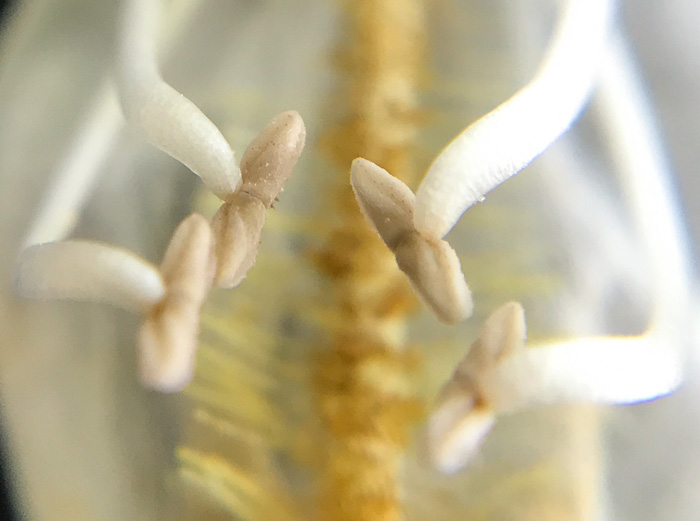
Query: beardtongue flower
x,y
258,324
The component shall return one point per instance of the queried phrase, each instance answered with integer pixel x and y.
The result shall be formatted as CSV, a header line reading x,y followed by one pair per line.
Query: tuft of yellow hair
x,y
307,391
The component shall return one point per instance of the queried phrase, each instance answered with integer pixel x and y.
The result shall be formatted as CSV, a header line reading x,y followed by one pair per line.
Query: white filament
x,y
605,370
78,172
76,176
628,124
621,369
84,270
169,120
507,139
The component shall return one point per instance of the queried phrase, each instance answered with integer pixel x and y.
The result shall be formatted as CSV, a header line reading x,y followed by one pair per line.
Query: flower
x,y
339,372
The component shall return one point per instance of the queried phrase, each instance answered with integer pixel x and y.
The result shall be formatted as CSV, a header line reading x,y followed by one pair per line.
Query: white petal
x,y
501,143
83,270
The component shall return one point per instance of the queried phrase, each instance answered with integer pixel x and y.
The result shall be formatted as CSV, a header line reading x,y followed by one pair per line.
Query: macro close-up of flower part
x,y
370,260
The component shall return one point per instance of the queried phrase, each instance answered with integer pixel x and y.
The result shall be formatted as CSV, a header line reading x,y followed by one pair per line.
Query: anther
x,y
267,163
431,265
168,337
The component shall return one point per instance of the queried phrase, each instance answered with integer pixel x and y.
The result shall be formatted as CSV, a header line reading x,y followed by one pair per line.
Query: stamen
x,y
499,376
431,265
267,163
464,412
605,370
168,337
167,119
617,370
96,272
84,270
487,153
507,139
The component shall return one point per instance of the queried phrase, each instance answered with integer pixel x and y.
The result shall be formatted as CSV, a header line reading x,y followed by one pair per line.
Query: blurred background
x,y
92,448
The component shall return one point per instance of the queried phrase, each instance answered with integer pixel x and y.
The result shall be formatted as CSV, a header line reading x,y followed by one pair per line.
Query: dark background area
x,y
8,504
5,6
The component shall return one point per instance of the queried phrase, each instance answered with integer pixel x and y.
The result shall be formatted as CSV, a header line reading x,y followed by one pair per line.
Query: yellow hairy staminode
x,y
306,400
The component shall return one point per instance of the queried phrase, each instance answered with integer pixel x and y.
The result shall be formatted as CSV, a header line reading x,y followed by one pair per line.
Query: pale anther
x,y
431,265
237,227
464,413
267,163
168,336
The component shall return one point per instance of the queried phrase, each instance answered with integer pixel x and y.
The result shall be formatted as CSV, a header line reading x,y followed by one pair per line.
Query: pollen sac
x,y
269,159
431,265
168,337
502,335
384,200
456,431
237,227
434,271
